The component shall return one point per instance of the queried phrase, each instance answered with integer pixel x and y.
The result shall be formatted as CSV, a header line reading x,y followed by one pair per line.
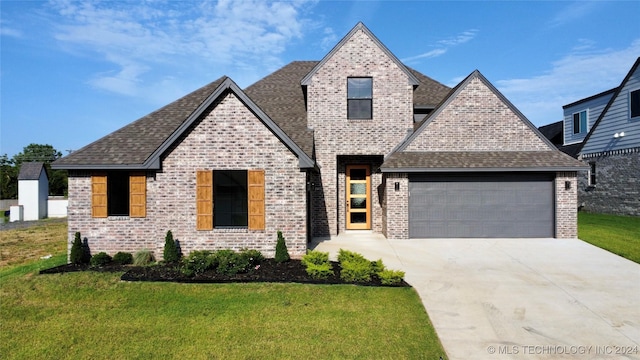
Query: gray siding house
x,y
356,141
612,150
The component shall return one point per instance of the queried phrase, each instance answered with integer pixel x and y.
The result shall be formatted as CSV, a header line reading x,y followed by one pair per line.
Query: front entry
x,y
358,197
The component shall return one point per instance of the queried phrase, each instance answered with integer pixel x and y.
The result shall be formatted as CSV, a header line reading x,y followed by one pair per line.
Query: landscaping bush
x,y
317,264
254,257
282,254
78,255
100,259
143,258
198,262
123,258
171,253
231,262
346,255
356,270
391,277
315,257
319,271
377,266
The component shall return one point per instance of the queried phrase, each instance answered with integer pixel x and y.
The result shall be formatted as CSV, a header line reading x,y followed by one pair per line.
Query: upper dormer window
x,y
359,98
580,122
634,103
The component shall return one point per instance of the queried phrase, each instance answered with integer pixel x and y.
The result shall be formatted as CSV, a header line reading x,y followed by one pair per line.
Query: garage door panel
x,y
498,206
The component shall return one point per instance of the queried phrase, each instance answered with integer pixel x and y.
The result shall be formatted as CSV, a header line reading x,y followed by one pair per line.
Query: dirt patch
x,y
292,271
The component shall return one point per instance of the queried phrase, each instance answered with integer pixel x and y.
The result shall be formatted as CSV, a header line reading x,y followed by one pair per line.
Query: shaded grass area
x,y
95,315
46,237
617,234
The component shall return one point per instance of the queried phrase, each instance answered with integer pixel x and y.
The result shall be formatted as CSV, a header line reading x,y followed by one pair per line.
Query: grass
x,y
617,234
18,246
95,315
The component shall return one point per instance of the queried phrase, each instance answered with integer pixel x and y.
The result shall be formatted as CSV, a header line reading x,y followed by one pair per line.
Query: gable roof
x,y
454,93
140,144
31,170
438,161
633,69
360,26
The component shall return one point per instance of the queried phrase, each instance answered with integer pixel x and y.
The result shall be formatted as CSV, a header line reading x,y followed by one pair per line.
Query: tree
x,y
282,254
46,154
8,178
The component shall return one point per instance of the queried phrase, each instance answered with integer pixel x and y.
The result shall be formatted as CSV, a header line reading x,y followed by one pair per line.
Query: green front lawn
x,y
91,315
617,234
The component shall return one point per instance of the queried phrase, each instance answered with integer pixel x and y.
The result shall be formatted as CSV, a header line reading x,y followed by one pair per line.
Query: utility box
x,y
16,213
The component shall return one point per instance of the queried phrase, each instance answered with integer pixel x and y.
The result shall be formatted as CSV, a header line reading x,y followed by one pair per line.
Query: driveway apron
x,y
516,298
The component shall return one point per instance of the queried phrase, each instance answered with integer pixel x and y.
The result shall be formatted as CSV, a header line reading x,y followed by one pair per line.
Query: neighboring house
x,y
612,151
555,133
33,191
356,141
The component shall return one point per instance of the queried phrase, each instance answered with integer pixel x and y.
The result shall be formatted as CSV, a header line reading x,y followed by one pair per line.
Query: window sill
x,y
118,218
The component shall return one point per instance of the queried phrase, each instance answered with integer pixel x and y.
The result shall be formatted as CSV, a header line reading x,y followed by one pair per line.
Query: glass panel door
x,y
358,197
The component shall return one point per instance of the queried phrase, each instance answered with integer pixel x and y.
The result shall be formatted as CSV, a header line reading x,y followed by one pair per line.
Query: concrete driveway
x,y
516,298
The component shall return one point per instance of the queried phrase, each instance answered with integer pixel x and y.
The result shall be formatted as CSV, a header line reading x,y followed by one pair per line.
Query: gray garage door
x,y
482,206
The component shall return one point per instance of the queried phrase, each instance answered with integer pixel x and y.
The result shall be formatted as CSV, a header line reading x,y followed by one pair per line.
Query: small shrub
x,y
314,257
319,271
231,262
100,259
143,258
282,254
171,254
254,257
391,277
123,258
356,271
377,266
346,255
78,254
198,262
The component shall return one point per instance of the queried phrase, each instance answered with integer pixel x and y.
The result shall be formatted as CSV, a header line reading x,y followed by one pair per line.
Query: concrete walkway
x,y
516,298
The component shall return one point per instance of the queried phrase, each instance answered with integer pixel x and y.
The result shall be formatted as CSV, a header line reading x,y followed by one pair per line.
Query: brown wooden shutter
x,y
204,200
99,195
256,199
138,195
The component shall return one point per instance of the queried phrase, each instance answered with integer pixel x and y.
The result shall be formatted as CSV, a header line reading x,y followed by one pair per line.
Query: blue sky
x,y
72,72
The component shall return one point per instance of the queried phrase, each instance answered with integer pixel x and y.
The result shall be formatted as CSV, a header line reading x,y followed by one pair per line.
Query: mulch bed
x,y
292,271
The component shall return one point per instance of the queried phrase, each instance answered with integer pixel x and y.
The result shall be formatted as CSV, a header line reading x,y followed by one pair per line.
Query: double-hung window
x,y
592,174
360,98
230,199
580,122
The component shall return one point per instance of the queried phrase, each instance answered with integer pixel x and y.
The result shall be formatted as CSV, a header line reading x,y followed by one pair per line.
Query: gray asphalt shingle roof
x,y
135,142
30,170
279,95
480,161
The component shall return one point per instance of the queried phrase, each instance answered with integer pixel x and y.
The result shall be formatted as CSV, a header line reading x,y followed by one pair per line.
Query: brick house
x,y
356,141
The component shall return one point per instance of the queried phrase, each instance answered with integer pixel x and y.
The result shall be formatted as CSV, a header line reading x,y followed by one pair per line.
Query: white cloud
x,y
575,11
442,46
9,31
329,40
577,75
176,36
